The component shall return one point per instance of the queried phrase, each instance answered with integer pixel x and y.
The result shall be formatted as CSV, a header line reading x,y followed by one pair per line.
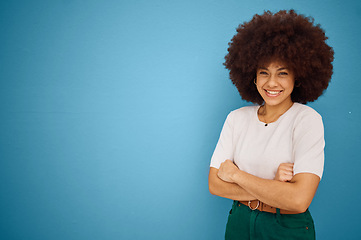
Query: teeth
x,y
273,92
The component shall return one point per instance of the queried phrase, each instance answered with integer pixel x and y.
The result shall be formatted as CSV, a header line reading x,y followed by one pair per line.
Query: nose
x,y
272,81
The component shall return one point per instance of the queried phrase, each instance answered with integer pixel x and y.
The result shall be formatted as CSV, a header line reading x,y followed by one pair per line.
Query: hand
x,y
227,170
284,172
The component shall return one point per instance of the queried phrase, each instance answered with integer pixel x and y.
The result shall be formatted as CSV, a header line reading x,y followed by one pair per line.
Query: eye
x,y
263,73
283,73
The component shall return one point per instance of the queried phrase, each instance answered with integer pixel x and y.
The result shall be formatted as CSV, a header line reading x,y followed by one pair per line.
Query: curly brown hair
x,y
285,36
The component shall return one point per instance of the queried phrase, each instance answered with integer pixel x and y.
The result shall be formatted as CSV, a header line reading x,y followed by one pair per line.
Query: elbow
x,y
301,205
212,181
212,188
301,208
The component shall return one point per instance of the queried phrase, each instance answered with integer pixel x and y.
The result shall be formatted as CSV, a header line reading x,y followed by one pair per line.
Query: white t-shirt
x,y
296,137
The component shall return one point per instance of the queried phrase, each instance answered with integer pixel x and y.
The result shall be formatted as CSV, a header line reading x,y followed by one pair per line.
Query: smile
x,y
273,93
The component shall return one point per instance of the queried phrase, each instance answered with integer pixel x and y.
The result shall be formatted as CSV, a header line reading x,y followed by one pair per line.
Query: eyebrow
x,y
279,69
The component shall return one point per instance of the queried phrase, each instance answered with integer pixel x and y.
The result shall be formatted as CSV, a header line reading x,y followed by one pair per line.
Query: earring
x,y
298,84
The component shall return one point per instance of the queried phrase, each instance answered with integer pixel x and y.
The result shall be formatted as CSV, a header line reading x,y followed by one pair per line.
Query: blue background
x,y
110,112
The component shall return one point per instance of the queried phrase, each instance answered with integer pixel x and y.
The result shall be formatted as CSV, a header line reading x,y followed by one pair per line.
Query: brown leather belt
x,y
260,206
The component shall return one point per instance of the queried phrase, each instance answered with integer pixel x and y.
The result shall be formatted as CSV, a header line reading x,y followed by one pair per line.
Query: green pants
x,y
244,223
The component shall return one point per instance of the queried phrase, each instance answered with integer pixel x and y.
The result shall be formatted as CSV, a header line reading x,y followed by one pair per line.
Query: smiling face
x,y
275,83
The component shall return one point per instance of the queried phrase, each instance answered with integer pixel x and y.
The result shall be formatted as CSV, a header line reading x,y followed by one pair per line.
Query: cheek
x,y
292,82
291,87
260,84
260,90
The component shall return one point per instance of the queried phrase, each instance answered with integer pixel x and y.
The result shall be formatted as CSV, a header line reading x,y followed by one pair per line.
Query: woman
x,y
269,157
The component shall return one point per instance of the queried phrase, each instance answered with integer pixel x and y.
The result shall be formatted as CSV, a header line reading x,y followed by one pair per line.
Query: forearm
x,y
293,195
225,189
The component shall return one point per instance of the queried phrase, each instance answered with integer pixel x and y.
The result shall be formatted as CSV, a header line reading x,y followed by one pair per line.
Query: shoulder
x,y
303,112
243,111
242,114
307,119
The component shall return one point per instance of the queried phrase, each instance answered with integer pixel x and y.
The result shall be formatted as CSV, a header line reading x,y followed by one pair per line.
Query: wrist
x,y
237,176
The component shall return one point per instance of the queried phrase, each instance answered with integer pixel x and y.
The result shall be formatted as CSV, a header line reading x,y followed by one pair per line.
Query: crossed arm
x,y
288,192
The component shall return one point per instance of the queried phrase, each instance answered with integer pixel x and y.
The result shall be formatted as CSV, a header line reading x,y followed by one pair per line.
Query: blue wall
x,y
110,112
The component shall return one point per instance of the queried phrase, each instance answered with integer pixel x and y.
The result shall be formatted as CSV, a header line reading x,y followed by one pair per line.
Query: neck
x,y
269,113
270,110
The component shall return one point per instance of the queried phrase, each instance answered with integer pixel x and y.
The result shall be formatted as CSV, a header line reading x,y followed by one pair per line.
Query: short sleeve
x,y
309,144
224,147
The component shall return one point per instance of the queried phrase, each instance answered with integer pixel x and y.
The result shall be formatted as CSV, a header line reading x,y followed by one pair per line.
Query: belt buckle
x,y
250,207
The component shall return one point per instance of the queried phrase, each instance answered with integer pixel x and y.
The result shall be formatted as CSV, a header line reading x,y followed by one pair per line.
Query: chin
x,y
275,102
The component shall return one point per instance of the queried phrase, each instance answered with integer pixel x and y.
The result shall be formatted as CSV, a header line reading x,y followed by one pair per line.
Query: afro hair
x,y
287,37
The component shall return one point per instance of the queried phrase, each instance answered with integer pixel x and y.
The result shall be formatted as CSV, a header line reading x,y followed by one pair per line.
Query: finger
x,y
287,176
288,173
287,168
285,179
284,172
288,165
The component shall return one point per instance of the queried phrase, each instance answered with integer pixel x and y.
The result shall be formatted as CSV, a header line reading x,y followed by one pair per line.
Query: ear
x,y
297,83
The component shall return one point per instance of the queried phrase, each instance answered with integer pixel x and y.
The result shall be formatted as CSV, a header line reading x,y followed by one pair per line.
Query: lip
x,y
273,93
